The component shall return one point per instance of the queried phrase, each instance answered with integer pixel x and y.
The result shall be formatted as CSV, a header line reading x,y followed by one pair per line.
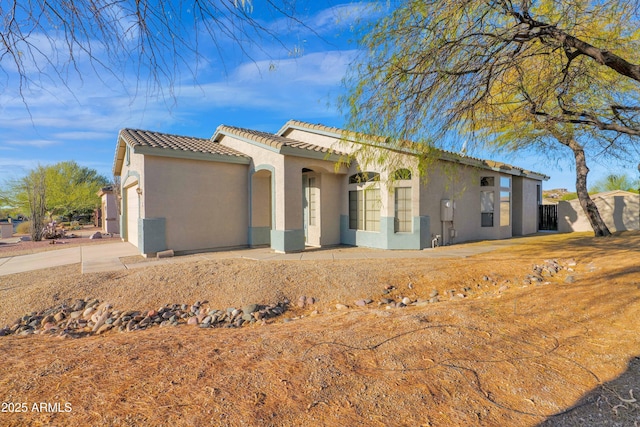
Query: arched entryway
x,y
321,205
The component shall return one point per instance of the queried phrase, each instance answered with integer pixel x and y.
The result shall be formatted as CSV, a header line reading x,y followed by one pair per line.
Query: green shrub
x,y
24,227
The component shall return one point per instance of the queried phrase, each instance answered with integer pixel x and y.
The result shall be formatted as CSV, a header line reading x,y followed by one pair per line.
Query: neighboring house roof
x,y
105,190
442,154
168,145
277,143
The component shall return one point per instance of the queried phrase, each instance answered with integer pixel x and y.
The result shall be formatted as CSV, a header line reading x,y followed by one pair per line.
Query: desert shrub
x,y
23,228
569,196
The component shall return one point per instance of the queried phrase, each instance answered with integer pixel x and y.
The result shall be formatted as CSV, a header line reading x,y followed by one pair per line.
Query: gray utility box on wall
x,y
446,210
6,230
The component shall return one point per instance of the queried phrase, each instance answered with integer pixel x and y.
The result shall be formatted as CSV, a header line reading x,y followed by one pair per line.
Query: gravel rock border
x,y
88,317
93,317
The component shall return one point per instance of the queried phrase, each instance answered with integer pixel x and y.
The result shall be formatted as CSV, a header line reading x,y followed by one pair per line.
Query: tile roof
x,y
272,140
310,126
136,137
444,154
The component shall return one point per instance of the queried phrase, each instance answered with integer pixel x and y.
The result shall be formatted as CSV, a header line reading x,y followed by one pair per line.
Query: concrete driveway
x,y
93,258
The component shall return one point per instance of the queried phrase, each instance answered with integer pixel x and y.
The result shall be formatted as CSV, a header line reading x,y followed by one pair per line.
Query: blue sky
x,y
81,121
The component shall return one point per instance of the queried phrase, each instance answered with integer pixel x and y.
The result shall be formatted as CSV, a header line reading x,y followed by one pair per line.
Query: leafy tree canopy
x,y
538,75
69,189
499,69
615,182
72,189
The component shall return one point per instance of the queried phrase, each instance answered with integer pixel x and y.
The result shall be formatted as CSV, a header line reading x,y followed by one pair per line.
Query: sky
x,y
254,82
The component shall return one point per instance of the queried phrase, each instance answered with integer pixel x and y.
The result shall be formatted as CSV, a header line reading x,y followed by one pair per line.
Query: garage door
x,y
133,213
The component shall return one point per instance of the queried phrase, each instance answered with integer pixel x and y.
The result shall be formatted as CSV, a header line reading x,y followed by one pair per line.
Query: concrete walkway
x,y
93,258
106,257
100,258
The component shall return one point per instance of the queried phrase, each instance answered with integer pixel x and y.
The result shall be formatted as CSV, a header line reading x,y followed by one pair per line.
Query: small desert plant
x,y
24,227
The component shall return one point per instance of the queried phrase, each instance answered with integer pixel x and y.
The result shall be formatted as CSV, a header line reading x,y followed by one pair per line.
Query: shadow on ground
x,y
614,403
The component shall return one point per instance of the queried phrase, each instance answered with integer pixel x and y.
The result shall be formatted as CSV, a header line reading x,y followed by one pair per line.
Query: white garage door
x,y
133,212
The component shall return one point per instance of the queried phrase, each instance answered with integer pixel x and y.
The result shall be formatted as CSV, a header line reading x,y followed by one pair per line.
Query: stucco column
x,y
288,235
261,205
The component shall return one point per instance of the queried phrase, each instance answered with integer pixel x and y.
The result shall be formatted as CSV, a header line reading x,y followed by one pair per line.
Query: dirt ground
x,y
565,352
12,246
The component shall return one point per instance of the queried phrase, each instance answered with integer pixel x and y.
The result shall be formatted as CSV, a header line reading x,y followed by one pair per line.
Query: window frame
x,y
402,174
487,212
403,215
355,209
365,206
505,201
487,181
364,177
313,202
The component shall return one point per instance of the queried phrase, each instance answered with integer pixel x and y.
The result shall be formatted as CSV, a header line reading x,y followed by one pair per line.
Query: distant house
x,y
288,191
620,210
109,219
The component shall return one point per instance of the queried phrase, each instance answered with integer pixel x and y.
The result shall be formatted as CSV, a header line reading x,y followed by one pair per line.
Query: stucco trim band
x,y
190,155
152,232
286,241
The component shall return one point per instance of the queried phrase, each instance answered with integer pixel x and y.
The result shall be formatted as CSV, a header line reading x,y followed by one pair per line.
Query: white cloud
x,y
11,168
291,88
81,135
327,21
80,121
37,143
317,69
344,16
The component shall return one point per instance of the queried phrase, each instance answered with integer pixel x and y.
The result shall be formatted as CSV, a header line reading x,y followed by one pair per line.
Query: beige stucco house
x,y
620,211
293,189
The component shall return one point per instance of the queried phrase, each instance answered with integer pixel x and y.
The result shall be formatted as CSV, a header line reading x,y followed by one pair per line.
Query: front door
x,y
310,213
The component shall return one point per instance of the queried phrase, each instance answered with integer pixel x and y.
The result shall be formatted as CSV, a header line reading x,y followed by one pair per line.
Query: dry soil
x,y
564,352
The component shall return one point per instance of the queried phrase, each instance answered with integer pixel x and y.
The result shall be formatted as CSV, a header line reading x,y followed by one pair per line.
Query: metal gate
x,y
547,217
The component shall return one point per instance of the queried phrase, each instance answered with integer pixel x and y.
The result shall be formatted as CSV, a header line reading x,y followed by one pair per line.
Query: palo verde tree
x,y
536,75
31,193
72,189
63,189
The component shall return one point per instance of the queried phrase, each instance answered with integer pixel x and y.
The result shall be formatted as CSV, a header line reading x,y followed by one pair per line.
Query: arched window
x,y
402,174
361,177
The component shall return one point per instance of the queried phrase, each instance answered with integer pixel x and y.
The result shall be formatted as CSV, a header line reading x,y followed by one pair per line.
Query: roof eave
x,y
220,133
119,157
284,149
191,155
444,155
310,154
515,171
293,124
